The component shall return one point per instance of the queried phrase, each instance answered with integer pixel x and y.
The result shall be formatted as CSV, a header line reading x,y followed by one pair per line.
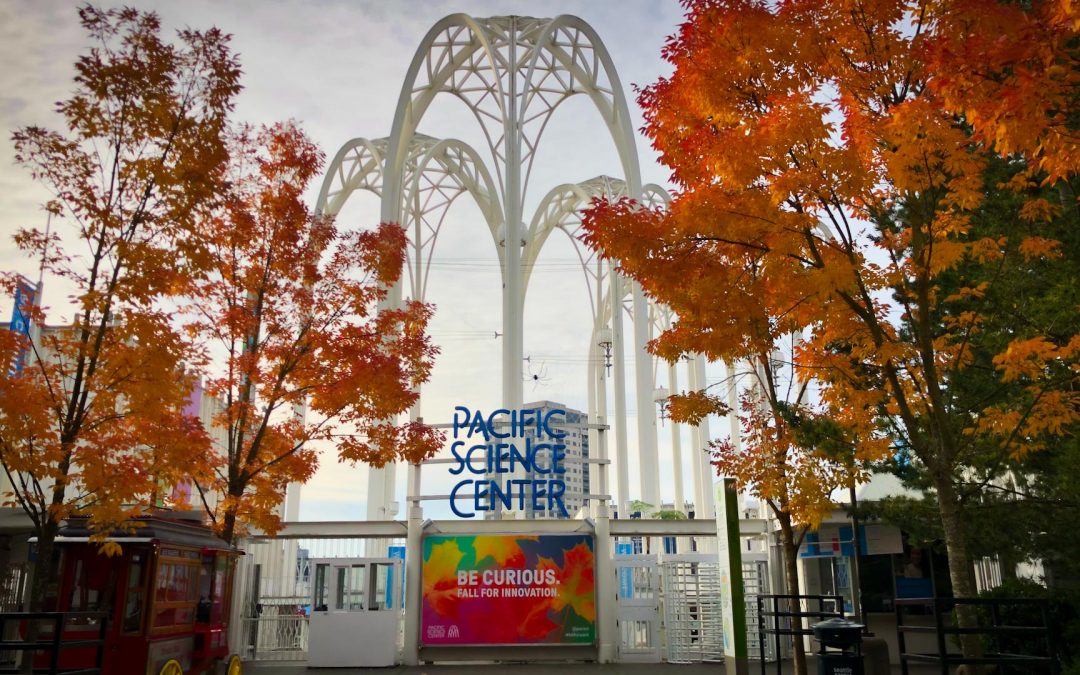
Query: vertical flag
x,y
25,295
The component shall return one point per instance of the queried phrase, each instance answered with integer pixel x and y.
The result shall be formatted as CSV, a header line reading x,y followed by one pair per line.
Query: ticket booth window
x,y
350,588
378,596
321,589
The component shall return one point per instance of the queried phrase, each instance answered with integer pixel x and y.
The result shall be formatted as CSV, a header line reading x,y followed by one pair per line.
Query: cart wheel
x,y
235,668
172,667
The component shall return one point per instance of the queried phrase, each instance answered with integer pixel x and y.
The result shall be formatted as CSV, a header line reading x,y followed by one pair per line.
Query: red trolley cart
x,y
167,596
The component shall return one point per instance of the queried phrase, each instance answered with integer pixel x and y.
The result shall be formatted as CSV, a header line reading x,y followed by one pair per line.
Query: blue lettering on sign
x,y
508,441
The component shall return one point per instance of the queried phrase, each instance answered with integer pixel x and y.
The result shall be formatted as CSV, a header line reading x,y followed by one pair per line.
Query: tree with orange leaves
x,y
833,158
92,423
296,353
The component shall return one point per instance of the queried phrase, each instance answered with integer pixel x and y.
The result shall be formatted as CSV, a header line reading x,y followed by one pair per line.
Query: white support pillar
x,y
414,552
622,454
380,483
607,627
648,458
695,443
607,636
676,442
592,385
701,449
513,298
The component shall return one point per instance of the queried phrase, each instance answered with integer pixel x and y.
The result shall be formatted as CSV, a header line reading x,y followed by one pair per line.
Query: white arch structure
x,y
513,73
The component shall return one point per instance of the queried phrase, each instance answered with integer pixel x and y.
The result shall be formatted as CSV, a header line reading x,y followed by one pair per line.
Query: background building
x,y
577,470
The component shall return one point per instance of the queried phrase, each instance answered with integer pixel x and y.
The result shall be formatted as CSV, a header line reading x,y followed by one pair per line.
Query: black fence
x,y
785,614
1011,647
50,639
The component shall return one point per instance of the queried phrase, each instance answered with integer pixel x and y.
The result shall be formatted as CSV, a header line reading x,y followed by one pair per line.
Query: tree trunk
x,y
961,573
791,572
228,527
44,576
44,570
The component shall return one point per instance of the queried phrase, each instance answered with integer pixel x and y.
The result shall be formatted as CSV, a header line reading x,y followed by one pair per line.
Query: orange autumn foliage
x,y
296,354
92,425
830,157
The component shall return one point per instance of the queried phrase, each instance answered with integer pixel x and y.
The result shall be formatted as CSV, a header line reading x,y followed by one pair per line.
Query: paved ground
x,y
300,668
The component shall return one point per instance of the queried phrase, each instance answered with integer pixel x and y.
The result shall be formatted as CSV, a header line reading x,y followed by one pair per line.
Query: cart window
x,y
206,589
176,591
221,590
176,582
133,598
93,585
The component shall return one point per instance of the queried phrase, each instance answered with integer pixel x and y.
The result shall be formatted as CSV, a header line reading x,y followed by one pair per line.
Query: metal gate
x,y
693,613
755,571
273,594
637,612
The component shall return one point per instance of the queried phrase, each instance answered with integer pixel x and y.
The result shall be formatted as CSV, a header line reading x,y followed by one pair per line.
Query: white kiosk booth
x,y
355,612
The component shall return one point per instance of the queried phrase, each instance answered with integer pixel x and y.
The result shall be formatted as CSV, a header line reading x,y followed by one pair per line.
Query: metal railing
x,y
51,640
271,637
1006,662
769,607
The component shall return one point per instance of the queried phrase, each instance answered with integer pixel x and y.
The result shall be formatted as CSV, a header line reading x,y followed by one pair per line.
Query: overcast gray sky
x,y
337,66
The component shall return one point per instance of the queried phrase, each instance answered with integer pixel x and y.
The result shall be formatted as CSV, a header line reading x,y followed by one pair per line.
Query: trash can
x,y
840,647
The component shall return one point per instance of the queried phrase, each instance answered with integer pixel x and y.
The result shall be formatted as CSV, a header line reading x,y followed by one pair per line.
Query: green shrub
x,y
1062,616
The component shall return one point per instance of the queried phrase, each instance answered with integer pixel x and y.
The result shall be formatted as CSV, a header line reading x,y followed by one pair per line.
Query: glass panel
x,y
377,592
349,596
339,594
133,602
354,597
321,592
162,586
78,588
206,589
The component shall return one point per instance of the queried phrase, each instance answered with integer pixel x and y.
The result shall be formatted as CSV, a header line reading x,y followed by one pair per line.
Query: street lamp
x,y
660,395
603,341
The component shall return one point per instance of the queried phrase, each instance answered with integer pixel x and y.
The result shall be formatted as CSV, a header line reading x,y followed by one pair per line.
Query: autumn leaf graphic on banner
x,y
440,577
576,582
504,550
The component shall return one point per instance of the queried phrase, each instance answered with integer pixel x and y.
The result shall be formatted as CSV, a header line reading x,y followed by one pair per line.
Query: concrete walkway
x,y
300,668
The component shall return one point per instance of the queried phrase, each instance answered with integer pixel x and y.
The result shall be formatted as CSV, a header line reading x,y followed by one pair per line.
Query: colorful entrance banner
x,y
508,589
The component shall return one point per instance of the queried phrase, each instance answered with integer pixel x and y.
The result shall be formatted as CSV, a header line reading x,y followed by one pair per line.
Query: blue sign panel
x,y
398,553
626,575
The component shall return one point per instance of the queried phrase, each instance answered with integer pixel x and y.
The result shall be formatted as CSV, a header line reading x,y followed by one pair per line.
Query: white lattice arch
x,y
512,73
436,173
